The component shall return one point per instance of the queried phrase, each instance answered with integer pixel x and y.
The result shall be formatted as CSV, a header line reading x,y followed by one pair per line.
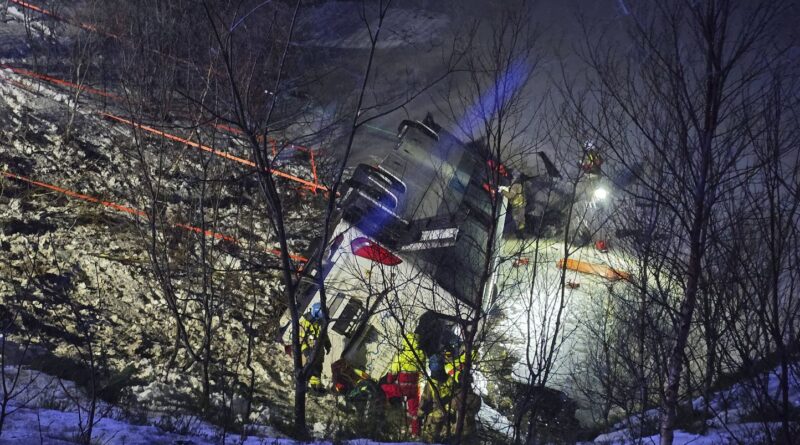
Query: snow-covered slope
x,y
733,420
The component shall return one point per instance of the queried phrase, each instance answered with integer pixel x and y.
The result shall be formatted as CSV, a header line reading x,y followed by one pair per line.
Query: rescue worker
x,y
310,327
435,405
592,161
402,380
441,402
516,199
346,377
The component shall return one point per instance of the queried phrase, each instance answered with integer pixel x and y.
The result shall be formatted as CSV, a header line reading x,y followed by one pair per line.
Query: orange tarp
x,y
593,269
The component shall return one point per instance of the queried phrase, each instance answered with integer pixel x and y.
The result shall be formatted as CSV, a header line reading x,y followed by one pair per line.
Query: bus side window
x,y
334,304
346,322
305,291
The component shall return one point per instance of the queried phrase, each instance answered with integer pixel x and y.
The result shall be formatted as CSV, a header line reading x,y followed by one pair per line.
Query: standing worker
x,y
592,161
403,378
516,199
310,327
441,402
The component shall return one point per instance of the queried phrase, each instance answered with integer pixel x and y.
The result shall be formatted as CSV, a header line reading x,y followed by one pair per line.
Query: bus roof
x,y
444,181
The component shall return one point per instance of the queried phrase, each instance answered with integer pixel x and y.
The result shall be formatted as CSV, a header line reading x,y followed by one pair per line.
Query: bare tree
x,y
679,104
15,383
83,57
247,67
764,315
494,106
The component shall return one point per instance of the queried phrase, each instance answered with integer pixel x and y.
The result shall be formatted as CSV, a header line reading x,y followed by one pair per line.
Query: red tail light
x,y
497,166
488,189
365,248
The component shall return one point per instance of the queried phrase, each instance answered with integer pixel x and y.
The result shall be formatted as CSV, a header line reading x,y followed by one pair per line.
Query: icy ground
x,y
45,412
50,240
729,424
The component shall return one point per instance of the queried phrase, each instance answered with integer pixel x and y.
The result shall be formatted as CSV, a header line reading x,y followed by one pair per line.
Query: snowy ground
x,y
50,241
729,424
43,232
49,416
46,413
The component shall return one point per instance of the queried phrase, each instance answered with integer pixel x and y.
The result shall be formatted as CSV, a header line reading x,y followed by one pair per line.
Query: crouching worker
x,y
402,381
310,334
347,378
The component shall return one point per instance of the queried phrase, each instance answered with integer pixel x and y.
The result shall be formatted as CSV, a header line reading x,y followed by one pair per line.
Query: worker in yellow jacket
x,y
441,401
402,380
310,327
516,200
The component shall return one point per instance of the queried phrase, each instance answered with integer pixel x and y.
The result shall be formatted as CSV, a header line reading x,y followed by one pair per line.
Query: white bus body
x,y
411,239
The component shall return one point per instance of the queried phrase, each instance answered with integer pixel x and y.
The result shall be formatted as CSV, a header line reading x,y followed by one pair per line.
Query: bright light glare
x,y
601,193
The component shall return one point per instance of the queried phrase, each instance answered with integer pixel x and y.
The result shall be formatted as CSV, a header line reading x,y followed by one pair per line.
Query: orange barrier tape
x,y
593,269
211,150
273,142
135,212
57,81
311,186
35,8
21,71
76,195
228,128
54,80
47,12
208,233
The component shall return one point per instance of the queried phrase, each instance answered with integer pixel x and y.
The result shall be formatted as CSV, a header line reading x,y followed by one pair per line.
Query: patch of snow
x,y
729,406
491,418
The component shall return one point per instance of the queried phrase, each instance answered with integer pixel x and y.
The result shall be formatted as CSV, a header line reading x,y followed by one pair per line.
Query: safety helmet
x,y
436,363
316,311
452,342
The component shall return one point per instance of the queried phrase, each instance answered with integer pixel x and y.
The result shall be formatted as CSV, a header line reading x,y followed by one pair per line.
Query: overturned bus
x,y
411,241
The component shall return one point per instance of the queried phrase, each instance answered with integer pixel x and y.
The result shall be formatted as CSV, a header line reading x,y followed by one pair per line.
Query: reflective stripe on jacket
x,y
454,367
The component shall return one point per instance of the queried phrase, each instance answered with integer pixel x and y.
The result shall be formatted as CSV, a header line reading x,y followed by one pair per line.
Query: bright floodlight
x,y
601,193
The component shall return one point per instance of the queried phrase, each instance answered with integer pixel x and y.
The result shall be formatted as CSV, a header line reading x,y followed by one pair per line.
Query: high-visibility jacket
x,y
592,162
402,380
444,389
454,367
309,333
447,388
440,421
516,195
410,358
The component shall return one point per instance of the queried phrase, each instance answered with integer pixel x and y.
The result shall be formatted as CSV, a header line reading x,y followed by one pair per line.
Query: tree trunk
x,y
675,363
